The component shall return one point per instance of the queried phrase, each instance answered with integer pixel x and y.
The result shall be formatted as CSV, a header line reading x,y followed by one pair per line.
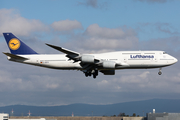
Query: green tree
x,y
134,115
121,114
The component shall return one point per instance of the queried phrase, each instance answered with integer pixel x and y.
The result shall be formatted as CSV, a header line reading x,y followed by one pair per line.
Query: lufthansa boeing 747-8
x,y
90,64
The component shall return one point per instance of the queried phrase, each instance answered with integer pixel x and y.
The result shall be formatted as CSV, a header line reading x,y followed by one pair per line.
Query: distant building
x,y
163,116
4,116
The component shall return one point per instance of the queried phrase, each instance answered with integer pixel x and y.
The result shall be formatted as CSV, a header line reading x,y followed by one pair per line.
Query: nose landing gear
x,y
159,71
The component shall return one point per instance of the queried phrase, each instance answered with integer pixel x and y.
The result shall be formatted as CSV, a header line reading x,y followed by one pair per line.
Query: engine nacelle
x,y
108,72
109,64
87,58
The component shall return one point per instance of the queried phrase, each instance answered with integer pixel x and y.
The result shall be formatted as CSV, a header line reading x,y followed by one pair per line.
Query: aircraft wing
x,y
70,54
83,58
89,62
66,51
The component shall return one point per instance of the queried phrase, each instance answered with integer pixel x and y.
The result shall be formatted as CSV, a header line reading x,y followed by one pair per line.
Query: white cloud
x,y
166,28
130,79
103,83
96,31
106,39
144,74
11,21
66,25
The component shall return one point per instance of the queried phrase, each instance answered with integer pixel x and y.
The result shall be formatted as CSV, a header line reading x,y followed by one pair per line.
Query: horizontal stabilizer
x,y
15,56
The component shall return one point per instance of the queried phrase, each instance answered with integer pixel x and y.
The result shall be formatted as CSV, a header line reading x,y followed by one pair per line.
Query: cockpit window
x,y
164,53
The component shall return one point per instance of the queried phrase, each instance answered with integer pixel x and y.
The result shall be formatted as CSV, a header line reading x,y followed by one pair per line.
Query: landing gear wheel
x,y
94,76
86,74
94,73
89,73
159,72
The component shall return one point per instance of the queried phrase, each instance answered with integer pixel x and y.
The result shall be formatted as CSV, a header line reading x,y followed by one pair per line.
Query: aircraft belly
x,y
61,65
54,64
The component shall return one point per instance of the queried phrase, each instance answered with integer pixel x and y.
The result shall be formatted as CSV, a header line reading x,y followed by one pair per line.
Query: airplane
x,y
90,64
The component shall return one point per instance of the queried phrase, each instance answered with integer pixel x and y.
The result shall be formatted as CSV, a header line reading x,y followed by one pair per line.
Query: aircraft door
x,y
156,58
125,59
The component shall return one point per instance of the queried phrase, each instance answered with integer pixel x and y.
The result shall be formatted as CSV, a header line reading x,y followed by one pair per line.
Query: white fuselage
x,y
125,59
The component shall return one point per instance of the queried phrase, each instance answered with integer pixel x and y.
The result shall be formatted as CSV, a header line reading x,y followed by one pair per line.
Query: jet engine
x,y
109,64
108,72
87,58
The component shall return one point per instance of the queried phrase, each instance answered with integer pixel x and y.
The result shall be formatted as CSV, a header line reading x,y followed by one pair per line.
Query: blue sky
x,y
89,26
110,14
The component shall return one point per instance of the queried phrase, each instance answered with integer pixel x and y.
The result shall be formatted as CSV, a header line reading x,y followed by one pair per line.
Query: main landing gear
x,y
93,72
159,71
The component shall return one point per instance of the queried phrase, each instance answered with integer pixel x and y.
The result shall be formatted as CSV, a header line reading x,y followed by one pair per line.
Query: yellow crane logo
x,y
14,44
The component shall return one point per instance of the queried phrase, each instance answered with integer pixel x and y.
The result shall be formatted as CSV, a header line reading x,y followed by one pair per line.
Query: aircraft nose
x,y
172,60
175,60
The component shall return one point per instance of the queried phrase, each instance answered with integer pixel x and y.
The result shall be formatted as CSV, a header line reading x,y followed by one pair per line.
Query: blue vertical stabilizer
x,y
16,46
